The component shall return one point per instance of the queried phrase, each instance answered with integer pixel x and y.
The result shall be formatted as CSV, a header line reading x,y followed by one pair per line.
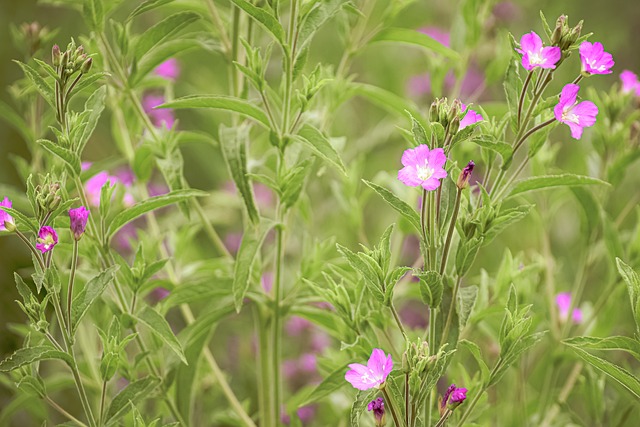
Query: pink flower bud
x,y
78,221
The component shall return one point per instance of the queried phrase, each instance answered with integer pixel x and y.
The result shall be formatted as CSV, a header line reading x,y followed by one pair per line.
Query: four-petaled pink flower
x,y
169,69
47,239
374,374
563,301
469,118
78,221
573,114
630,82
594,59
534,55
423,167
5,217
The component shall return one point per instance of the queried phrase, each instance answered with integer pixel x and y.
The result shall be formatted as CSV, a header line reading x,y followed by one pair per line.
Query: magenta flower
x,y
453,397
563,301
534,55
78,221
594,59
306,413
377,406
423,167
465,175
94,185
469,118
374,374
573,114
5,217
47,239
438,34
458,395
169,69
162,117
630,82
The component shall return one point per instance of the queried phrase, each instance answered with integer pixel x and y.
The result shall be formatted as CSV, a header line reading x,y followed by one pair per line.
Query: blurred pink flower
x,y
85,166
563,301
319,341
297,325
469,118
306,413
506,11
594,59
308,363
169,69
263,194
471,82
438,34
630,82
535,55
94,185
575,115
158,294
374,374
267,281
5,217
423,167
159,117
232,242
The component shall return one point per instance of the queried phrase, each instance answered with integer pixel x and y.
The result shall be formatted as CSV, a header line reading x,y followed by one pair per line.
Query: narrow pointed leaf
x,y
416,38
160,328
398,205
162,30
26,356
228,103
320,145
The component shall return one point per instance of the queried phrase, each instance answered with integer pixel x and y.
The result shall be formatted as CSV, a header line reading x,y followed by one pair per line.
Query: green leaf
x,y
464,305
548,181
26,356
234,150
86,81
331,383
92,291
502,148
398,205
503,220
477,354
632,280
251,243
95,104
359,405
158,55
466,254
220,102
293,183
621,375
431,288
70,158
317,17
135,392
163,30
149,205
160,328
93,12
388,101
14,119
45,88
630,345
264,18
367,267
21,219
320,145
187,293
416,38
147,6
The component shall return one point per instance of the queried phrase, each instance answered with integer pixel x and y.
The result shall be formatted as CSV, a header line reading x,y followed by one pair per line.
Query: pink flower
x,y
423,167
453,397
563,301
377,406
78,221
594,59
169,69
573,114
374,374
159,293
438,34
297,325
159,117
630,82
94,185
469,118
306,413
5,217
47,239
308,363
534,55
267,281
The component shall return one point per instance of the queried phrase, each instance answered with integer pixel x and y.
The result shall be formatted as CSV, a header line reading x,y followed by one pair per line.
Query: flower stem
x,y
276,332
442,421
452,226
392,407
398,321
447,325
102,399
523,95
62,411
72,275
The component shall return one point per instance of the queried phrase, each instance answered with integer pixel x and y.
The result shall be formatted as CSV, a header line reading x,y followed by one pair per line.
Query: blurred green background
x,y
614,22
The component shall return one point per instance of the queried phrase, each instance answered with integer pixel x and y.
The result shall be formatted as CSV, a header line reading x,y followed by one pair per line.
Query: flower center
x,y
569,116
47,241
424,172
536,58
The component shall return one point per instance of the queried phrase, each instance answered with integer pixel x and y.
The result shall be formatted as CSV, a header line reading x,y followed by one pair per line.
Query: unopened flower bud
x,y
456,108
453,398
433,112
454,126
78,221
574,35
377,406
55,55
64,60
559,30
86,66
465,175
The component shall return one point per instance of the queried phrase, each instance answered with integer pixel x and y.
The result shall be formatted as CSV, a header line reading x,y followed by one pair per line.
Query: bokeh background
x,y
614,22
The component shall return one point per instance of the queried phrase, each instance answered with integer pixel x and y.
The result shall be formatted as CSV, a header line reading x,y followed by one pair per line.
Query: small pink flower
x,y
306,413
453,397
161,117
47,239
534,55
374,374
594,59
563,301
630,82
85,166
469,118
377,406
232,242
308,363
297,325
169,69
267,281
5,217
94,185
78,221
423,167
575,115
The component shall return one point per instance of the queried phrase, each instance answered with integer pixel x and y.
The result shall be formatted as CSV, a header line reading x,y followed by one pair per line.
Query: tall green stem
x,y
392,408
72,276
276,332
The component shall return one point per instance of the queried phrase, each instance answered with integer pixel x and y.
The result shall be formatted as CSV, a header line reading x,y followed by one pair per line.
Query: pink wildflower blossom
x,y
594,59
469,118
563,301
47,239
162,117
374,374
534,55
169,69
630,82
423,167
575,115
5,217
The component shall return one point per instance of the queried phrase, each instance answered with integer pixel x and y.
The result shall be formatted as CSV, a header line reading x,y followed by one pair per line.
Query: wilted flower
x,y
47,239
5,217
469,118
465,175
575,115
374,374
423,167
594,59
78,221
534,55
630,82
563,301
169,69
377,406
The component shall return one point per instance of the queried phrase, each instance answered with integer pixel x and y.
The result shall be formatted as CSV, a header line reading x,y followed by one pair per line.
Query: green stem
x,y
72,275
392,407
447,325
444,418
81,391
523,94
62,411
276,333
452,226
398,321
102,399
406,399
33,250
476,398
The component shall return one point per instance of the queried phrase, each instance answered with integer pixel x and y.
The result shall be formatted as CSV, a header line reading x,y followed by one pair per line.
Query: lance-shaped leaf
x,y
398,205
21,219
133,393
549,181
415,38
160,328
264,18
70,158
630,345
95,104
249,247
331,383
90,293
320,145
228,103
160,54
148,205
163,30
44,87
360,404
146,6
25,356
632,279
93,12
